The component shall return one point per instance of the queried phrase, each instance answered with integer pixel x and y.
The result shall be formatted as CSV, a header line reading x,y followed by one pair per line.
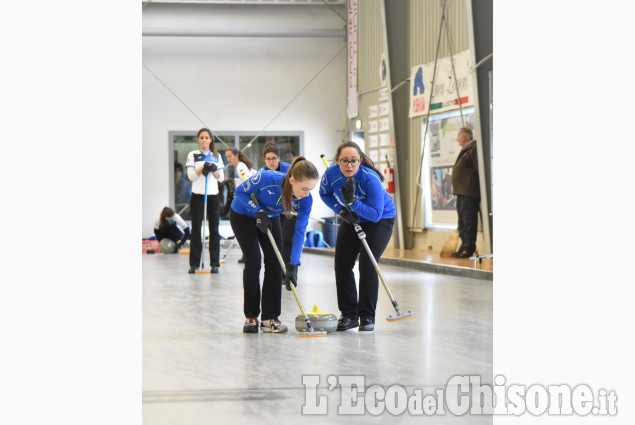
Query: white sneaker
x,y
273,325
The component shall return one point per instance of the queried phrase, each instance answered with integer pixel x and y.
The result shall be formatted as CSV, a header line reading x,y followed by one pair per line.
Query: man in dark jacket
x,y
466,187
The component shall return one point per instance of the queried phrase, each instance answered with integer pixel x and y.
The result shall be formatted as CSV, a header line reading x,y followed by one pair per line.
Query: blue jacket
x,y
372,202
266,186
283,167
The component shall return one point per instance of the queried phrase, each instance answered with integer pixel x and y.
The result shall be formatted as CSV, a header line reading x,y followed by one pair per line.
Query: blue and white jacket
x,y
266,187
194,160
372,202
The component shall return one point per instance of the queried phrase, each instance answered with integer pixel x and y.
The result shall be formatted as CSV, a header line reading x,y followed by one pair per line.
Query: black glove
x,y
291,276
209,166
349,216
262,221
348,191
186,235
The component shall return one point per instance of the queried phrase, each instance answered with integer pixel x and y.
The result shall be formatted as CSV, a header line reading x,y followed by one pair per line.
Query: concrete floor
x,y
200,368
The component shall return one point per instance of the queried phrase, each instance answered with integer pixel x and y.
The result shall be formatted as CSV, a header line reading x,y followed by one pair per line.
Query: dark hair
x,y
212,145
300,170
366,161
241,157
178,166
165,213
271,147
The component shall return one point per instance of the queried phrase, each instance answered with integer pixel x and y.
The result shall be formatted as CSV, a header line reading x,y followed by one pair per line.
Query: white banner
x,y
352,107
445,96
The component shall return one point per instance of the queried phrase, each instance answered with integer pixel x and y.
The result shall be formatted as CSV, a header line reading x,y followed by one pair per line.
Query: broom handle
x,y
201,263
284,269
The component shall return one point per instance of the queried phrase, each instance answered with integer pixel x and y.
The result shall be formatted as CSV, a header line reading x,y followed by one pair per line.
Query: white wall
x,y
238,84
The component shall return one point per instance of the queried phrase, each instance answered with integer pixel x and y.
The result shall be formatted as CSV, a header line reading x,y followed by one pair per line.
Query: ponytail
x,y
166,212
300,170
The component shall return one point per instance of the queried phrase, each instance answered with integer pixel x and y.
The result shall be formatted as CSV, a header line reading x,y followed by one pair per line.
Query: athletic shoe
x,y
251,325
367,325
273,325
462,254
214,269
192,269
345,323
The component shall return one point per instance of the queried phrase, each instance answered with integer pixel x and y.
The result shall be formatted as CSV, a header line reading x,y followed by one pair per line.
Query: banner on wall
x,y
442,150
352,107
445,96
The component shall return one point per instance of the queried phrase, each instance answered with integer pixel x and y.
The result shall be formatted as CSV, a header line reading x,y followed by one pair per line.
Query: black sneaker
x,y
214,269
192,269
367,325
242,260
346,323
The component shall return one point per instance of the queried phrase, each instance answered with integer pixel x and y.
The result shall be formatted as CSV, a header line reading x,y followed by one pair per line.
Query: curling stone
x,y
321,321
167,246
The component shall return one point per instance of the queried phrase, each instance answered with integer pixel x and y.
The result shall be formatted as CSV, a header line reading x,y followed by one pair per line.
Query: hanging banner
x,y
445,96
352,107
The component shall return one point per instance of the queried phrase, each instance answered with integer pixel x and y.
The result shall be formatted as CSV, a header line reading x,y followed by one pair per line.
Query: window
x,y
252,144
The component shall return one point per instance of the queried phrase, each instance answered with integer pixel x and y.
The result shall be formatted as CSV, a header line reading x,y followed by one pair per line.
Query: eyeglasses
x,y
271,159
346,162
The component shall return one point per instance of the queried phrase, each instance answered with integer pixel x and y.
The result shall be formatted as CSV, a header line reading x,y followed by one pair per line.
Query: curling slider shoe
x,y
400,316
203,271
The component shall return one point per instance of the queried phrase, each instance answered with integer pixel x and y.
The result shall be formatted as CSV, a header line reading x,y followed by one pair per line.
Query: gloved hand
x,y
291,276
348,191
186,235
349,216
209,167
262,221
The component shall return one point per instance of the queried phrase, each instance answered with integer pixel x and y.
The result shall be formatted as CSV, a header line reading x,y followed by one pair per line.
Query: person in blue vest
x,y
271,152
262,197
353,188
201,163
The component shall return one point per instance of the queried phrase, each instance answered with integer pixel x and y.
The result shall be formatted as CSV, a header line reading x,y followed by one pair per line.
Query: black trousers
x,y
251,240
197,203
288,230
347,247
467,207
171,232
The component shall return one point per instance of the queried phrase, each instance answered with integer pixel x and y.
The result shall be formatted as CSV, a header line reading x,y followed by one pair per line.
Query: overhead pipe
x,y
239,32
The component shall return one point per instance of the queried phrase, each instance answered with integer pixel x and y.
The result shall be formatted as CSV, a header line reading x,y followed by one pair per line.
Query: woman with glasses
x,y
271,153
353,188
